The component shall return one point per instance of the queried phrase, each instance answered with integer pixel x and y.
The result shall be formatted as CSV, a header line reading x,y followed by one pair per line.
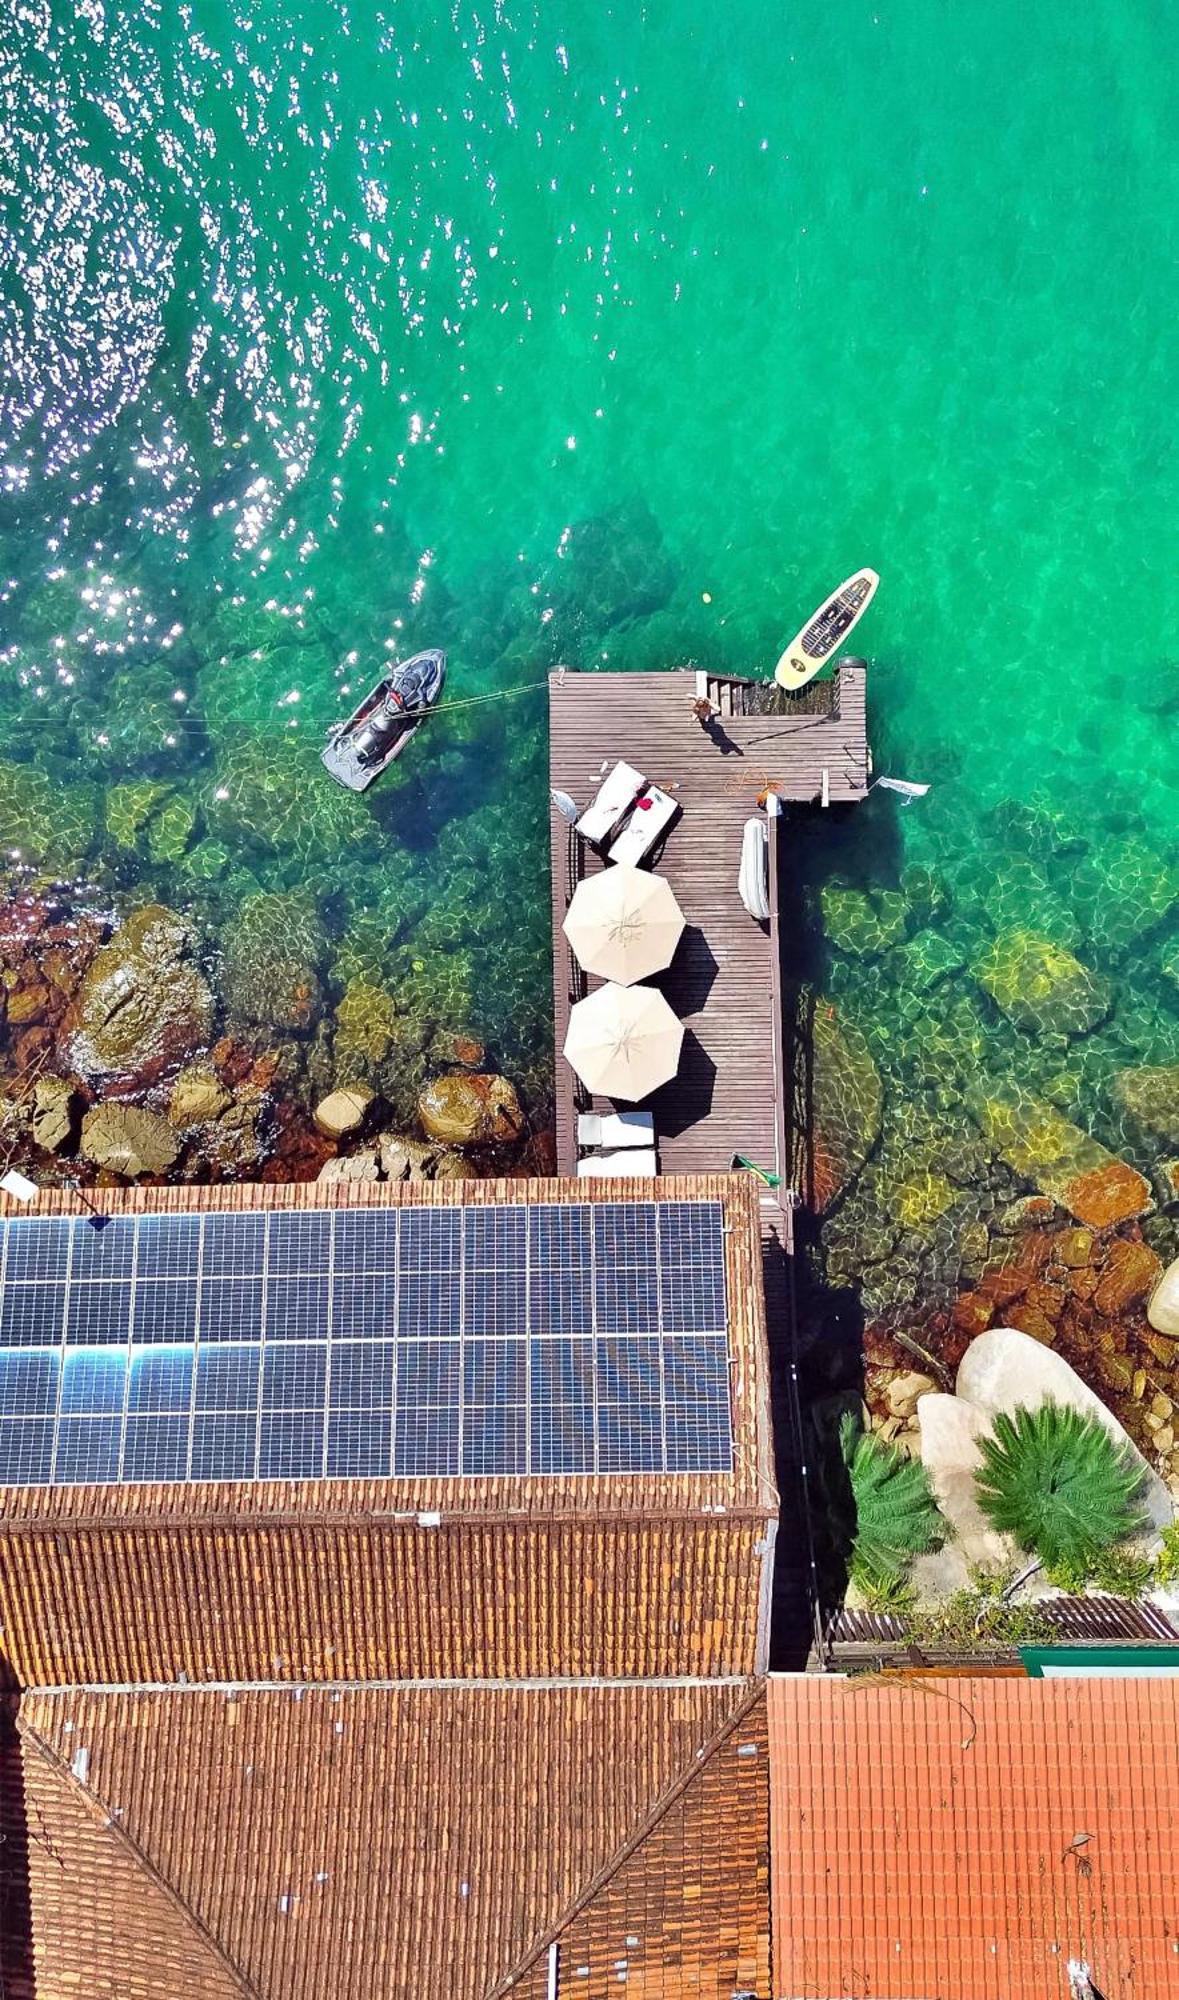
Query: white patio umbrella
x,y
624,924
624,1041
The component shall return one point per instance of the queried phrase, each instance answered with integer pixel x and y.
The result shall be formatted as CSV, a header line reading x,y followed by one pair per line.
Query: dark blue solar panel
x,y
300,1242
234,1244
359,1444
558,1338
224,1447
363,1374
32,1315
495,1440
290,1444
87,1450
231,1309
28,1382
366,1240
294,1377
94,1380
104,1253
169,1246
97,1312
164,1309
364,1305
161,1380
425,1441
626,1300
227,1378
495,1371
156,1447
296,1308
26,1451
429,1303
37,1251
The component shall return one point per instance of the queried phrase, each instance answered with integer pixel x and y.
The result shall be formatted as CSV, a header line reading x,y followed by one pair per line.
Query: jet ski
x,y
359,749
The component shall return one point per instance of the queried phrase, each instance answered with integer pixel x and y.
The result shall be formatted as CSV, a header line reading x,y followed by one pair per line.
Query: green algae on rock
x,y
1149,1099
366,1024
1124,891
43,821
268,793
272,959
863,925
847,1109
1040,986
143,1006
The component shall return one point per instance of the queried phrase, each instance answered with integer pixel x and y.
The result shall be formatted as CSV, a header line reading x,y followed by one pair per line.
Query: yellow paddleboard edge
x,y
826,629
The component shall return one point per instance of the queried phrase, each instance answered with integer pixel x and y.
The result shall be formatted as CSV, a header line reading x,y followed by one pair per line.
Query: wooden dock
x,y
725,980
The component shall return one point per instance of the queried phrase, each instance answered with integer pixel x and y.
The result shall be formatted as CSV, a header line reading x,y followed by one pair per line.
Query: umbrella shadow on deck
x,y
687,1099
692,974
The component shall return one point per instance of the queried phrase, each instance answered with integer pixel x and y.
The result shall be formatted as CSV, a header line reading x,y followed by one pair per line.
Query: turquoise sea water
x,y
612,335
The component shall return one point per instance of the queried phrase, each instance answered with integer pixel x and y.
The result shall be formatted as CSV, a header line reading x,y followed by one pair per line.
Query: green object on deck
x,y
763,1174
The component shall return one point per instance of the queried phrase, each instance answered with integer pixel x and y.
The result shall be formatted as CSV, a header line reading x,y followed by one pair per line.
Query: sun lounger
x,y
615,1128
615,795
619,1166
653,813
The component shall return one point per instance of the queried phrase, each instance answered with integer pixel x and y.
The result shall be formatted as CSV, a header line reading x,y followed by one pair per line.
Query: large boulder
x,y
1040,986
128,1140
950,1429
1124,891
847,1107
863,925
1043,1147
343,1112
1148,1099
143,1006
1007,1370
1163,1308
468,1109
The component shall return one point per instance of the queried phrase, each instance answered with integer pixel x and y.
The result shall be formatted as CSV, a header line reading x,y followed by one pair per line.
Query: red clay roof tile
x,y
961,1838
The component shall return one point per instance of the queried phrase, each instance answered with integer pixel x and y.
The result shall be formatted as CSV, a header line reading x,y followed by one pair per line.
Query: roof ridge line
x,y
755,1689
111,1824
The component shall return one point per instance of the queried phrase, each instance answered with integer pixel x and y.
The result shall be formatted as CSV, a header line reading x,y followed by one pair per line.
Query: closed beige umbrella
x,y
624,1041
624,924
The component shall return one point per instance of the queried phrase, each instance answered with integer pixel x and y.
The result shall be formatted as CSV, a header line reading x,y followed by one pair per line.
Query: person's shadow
x,y
720,738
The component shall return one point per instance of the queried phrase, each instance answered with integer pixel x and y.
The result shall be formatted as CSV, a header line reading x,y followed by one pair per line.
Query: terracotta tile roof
x,y
634,1575
954,1839
388,1842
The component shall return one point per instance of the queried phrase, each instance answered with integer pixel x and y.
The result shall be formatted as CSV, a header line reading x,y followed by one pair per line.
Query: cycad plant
x,y
896,1515
1059,1483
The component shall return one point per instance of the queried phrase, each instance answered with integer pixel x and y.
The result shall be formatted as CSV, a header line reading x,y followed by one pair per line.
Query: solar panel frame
x,y
582,1336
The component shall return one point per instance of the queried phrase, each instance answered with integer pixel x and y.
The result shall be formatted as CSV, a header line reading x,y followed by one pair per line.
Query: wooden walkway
x,y
725,980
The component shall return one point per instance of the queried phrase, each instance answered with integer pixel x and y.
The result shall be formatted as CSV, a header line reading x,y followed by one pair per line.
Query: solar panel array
x,y
372,1343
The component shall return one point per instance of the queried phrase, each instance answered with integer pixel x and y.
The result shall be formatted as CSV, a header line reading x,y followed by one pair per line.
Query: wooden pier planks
x,y
727,1097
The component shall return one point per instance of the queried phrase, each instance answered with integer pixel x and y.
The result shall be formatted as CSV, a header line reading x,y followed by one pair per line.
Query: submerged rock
x,y
143,1006
468,1108
44,821
1058,1158
197,1094
272,959
1126,891
55,1113
1040,986
271,795
343,1112
862,925
848,1105
366,1023
1149,1098
405,1159
128,1140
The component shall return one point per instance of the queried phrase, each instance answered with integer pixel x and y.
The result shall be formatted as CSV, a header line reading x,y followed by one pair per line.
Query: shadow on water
x,y
817,1331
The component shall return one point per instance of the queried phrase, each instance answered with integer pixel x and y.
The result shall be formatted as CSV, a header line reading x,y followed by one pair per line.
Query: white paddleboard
x,y
826,630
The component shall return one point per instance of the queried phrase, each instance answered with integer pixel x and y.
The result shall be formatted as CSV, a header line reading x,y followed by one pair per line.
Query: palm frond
x,y
1055,1480
896,1515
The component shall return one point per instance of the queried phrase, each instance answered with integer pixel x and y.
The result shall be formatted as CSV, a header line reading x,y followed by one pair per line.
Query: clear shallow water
x,y
328,326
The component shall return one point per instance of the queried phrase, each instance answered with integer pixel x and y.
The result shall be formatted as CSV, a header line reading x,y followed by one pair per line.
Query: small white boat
x,y
829,625
753,876
378,731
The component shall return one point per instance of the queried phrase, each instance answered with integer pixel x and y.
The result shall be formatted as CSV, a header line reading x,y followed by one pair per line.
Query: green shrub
x,y
896,1516
1166,1566
1057,1481
981,1617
